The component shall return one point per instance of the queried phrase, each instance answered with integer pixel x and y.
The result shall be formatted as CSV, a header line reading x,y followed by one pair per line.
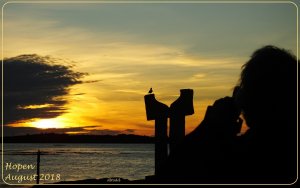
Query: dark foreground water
x,y
67,162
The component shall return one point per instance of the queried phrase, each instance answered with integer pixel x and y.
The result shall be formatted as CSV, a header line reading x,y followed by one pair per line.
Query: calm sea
x,y
67,162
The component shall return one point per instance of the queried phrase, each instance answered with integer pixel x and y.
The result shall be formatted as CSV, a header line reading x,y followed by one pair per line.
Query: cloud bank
x,y
36,87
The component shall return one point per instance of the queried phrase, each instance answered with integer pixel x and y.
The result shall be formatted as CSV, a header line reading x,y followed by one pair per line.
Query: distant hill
x,y
66,138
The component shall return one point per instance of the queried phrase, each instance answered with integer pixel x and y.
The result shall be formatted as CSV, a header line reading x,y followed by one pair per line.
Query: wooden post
x,y
180,108
159,112
38,167
161,143
177,130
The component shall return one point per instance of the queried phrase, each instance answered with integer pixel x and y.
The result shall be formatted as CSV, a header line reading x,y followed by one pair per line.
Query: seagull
x,y
150,91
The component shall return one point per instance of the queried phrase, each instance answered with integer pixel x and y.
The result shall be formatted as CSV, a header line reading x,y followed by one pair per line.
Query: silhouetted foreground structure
x,y
180,108
160,112
267,153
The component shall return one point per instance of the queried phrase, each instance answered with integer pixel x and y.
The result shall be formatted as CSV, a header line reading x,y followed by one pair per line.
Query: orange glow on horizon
x,y
100,116
47,124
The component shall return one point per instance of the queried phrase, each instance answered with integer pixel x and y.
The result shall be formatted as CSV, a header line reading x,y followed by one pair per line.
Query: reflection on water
x,y
80,161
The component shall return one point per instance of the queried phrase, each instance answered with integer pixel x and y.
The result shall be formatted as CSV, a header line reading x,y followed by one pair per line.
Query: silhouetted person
x,y
268,98
266,153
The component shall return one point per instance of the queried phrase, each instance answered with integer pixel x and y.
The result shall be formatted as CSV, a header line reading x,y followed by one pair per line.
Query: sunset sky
x,y
126,48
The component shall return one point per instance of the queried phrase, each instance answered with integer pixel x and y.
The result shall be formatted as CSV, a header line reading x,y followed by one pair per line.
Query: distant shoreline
x,y
66,138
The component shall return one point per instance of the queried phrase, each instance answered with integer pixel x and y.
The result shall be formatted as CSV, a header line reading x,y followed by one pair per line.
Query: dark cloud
x,y
144,126
79,94
104,132
110,132
35,87
129,130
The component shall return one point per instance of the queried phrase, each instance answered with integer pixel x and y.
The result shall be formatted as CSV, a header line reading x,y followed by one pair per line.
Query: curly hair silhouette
x,y
269,87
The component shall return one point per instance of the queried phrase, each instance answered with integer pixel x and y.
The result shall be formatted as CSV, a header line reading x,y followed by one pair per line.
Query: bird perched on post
x,y
150,91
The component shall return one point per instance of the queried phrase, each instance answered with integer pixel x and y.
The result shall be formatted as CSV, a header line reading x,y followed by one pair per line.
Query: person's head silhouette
x,y
269,89
268,99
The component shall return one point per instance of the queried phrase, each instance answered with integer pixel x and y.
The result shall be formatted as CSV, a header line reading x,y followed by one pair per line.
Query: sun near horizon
x,y
46,124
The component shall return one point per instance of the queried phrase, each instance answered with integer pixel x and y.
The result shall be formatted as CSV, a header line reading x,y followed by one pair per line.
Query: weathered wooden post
x,y
38,167
159,112
180,108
